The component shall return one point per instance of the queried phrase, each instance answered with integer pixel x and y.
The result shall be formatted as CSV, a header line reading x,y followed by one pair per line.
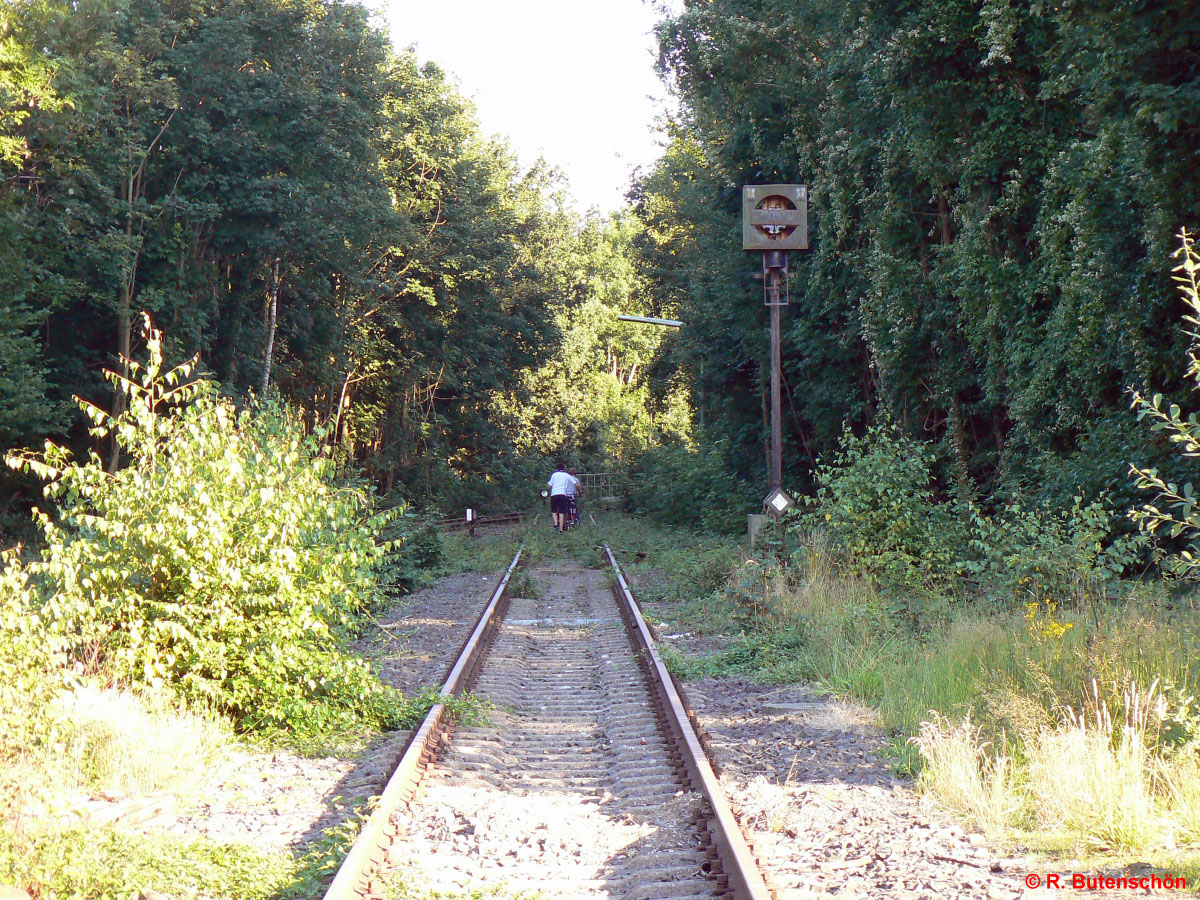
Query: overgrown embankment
x,y
1064,727
1037,665
211,585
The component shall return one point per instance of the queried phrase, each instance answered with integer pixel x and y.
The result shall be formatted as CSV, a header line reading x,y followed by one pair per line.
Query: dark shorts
x,y
558,504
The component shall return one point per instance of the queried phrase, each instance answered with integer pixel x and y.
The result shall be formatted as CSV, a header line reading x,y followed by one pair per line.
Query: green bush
x,y
679,485
1043,555
32,661
876,507
226,559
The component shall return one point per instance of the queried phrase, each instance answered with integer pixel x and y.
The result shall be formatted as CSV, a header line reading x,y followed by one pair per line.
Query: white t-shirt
x,y
562,483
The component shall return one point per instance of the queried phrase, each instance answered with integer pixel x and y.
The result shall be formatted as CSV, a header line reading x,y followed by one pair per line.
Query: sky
x,y
569,80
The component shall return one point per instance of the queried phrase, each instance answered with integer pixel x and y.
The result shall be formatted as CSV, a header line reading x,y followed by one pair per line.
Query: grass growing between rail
x,y
693,564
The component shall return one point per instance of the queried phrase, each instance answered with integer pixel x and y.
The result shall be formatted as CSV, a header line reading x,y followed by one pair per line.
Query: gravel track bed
x,y
816,796
826,816
568,790
829,820
417,643
286,800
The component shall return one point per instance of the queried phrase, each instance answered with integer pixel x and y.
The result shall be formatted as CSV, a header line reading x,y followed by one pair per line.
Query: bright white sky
x,y
565,79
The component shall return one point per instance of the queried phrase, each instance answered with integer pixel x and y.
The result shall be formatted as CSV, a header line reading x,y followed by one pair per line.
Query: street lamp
x,y
650,320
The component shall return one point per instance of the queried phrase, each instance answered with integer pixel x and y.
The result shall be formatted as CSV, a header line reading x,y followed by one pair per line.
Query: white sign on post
x,y
779,501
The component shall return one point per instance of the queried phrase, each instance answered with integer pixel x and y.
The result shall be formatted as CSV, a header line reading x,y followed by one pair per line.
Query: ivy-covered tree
x,y
993,190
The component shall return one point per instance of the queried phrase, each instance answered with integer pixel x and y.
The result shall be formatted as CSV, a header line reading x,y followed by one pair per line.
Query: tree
x,y
305,209
993,187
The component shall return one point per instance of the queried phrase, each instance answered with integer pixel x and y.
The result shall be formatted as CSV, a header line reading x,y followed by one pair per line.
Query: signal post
x,y
774,221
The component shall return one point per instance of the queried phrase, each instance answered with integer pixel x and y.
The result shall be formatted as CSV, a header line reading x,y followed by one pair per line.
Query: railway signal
x,y
774,221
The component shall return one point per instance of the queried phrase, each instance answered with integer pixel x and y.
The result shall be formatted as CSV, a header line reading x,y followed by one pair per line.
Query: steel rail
x,y
352,879
738,862
735,865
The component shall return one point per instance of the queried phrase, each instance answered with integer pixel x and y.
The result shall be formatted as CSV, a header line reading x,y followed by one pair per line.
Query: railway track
x,y
589,779
493,521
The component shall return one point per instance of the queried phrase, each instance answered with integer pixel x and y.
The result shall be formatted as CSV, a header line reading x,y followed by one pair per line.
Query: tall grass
x,y
117,744
1093,778
1179,775
1019,719
1102,778
111,862
962,773
120,743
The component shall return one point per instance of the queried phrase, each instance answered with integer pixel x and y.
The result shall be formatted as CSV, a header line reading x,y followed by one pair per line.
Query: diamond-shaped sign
x,y
779,502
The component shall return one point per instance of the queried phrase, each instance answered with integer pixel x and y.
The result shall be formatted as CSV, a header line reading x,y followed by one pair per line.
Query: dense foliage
x,y
308,210
226,560
32,662
875,502
682,484
994,189
876,506
294,201
592,397
994,192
